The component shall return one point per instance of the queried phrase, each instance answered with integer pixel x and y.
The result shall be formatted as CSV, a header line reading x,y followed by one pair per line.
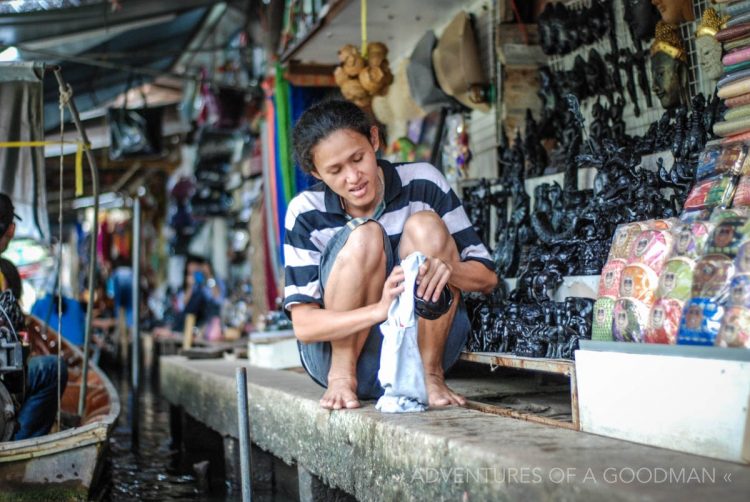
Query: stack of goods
x,y
629,280
362,77
686,282
734,85
675,282
718,173
720,268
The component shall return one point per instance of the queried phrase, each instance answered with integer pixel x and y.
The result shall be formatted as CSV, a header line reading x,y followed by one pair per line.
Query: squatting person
x,y
344,239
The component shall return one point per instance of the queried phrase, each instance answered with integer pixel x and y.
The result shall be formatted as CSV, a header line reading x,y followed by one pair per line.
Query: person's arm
x,y
314,324
471,275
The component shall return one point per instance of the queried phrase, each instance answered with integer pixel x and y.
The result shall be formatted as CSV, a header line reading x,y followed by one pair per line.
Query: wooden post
x,y
122,331
187,340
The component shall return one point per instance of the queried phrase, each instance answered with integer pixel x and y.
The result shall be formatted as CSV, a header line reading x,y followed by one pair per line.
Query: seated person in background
x,y
121,285
202,295
38,411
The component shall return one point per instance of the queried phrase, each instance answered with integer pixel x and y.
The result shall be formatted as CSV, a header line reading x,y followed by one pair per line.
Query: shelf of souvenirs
x,y
580,286
508,360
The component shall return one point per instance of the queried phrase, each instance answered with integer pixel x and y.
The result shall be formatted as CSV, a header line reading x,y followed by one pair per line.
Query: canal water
x,y
147,466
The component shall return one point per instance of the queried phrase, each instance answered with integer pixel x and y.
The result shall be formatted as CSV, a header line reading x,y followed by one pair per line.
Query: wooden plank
x,y
529,417
558,366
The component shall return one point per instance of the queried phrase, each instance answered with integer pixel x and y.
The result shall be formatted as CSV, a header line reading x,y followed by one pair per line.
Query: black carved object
x,y
427,309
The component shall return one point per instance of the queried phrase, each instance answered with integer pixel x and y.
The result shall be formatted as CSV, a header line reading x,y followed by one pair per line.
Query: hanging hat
x,y
397,106
422,82
456,62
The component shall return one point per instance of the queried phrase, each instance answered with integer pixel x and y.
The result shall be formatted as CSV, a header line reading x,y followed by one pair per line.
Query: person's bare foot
x,y
341,393
438,393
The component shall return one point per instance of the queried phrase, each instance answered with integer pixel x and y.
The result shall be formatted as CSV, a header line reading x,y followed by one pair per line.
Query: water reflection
x,y
154,470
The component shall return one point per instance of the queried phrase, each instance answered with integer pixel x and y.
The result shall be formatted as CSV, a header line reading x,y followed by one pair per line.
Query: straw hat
x,y
456,61
397,106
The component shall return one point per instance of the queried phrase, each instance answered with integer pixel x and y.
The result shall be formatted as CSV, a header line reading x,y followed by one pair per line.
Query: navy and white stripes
x,y
315,215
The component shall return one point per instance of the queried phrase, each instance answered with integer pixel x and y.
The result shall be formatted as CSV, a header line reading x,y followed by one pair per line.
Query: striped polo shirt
x,y
315,215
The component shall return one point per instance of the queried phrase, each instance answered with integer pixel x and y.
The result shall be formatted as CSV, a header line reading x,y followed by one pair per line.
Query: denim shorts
x,y
316,356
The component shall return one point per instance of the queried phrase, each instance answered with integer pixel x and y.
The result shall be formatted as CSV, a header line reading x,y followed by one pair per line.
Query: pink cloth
x,y
737,56
743,99
745,136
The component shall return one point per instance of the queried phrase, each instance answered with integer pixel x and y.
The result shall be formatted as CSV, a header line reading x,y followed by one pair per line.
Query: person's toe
x,y
352,403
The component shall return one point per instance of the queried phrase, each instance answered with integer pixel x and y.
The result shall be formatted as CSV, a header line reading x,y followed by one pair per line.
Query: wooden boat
x,y
65,464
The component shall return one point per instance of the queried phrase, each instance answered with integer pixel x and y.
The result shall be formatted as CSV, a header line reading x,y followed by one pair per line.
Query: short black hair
x,y
322,119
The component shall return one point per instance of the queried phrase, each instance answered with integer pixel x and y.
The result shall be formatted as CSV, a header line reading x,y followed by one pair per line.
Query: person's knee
x,y
42,371
364,247
426,231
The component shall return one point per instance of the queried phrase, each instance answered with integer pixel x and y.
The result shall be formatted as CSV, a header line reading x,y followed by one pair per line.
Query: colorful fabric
x,y
664,321
707,162
690,239
727,236
630,320
700,323
623,240
742,192
736,44
739,291
696,199
736,67
676,279
742,260
711,276
738,101
733,33
651,248
719,193
732,127
609,280
601,329
736,56
737,8
737,112
738,87
639,282
735,328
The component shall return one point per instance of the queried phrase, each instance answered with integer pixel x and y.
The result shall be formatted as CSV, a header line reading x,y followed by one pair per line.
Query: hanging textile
x,y
270,149
22,176
284,134
300,99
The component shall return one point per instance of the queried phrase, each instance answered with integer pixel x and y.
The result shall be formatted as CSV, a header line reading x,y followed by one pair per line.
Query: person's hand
x,y
394,285
432,277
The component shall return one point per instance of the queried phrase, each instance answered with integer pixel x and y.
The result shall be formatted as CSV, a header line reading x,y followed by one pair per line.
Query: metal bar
x,y
558,366
574,399
128,69
244,426
66,89
136,291
529,417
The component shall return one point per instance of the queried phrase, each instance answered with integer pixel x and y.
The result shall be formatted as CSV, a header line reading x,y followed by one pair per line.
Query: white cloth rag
x,y
401,373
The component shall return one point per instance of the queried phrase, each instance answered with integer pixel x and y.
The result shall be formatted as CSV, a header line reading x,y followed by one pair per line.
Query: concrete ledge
x,y
447,454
